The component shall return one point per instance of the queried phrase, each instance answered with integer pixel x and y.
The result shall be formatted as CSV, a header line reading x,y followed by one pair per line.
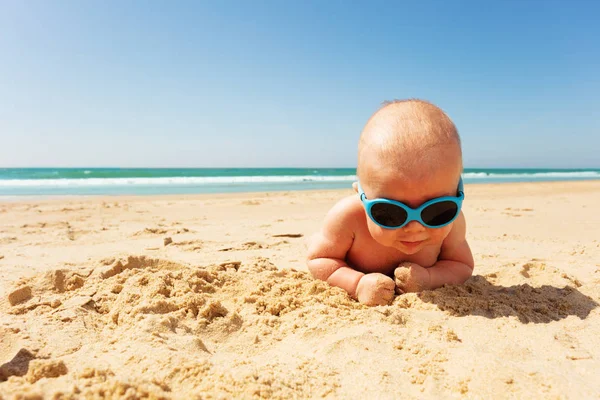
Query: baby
x,y
405,219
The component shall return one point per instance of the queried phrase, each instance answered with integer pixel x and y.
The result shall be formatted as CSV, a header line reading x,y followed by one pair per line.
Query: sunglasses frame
x,y
413,214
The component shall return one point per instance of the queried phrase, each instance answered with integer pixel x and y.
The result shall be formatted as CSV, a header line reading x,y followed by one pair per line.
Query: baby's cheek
x,y
380,235
438,235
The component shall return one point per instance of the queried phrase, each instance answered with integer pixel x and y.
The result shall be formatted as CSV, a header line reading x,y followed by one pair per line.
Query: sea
x,y
18,182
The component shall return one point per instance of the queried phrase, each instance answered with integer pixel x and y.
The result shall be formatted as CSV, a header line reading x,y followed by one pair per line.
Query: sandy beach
x,y
207,296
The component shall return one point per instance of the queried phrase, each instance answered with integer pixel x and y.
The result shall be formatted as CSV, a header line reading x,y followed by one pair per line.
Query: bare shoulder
x,y
345,212
338,229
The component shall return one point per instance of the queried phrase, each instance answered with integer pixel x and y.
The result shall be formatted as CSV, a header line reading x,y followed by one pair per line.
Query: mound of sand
x,y
218,311
139,327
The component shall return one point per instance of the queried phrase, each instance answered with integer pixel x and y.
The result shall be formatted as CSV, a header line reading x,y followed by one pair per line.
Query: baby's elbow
x,y
469,261
319,260
312,255
315,268
467,272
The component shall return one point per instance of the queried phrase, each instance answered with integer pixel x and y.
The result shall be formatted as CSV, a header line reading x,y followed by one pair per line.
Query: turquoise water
x,y
141,181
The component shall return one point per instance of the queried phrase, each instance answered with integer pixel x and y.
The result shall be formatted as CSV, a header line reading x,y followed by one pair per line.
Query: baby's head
x,y
409,151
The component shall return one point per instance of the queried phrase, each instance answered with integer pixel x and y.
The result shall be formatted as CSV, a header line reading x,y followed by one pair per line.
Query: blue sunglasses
x,y
435,213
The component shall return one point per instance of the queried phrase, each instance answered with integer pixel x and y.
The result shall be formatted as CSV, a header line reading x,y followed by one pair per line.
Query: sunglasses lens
x,y
438,214
388,214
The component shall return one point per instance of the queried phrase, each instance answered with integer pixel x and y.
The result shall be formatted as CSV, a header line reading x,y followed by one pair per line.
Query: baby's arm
x,y
327,251
326,260
454,266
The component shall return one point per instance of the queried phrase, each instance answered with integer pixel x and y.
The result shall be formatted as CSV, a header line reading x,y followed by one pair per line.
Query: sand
x,y
207,297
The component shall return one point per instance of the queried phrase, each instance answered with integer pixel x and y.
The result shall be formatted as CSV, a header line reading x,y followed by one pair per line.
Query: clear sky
x,y
291,83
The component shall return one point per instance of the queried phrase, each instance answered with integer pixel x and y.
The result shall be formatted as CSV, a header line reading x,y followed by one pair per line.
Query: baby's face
x,y
412,191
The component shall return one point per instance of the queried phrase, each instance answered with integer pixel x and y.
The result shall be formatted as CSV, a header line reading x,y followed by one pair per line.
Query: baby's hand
x,y
375,289
411,277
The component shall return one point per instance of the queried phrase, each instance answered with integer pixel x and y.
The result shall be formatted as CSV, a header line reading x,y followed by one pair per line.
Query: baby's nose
x,y
413,226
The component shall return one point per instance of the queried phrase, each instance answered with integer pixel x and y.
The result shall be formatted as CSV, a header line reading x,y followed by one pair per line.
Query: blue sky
x,y
283,83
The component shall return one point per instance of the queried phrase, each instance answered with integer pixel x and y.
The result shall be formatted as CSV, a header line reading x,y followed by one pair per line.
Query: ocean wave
x,y
183,181
273,179
534,175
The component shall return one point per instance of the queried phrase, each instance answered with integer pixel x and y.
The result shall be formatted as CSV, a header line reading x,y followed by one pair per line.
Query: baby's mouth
x,y
411,244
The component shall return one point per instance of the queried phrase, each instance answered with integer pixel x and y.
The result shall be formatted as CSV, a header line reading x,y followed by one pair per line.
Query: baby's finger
x,y
389,296
401,274
389,284
388,293
400,289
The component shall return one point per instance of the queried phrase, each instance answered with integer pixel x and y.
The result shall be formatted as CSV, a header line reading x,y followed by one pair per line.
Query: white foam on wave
x,y
549,175
183,181
225,180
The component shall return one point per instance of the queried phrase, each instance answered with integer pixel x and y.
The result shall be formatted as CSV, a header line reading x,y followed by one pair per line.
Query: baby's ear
x,y
355,186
